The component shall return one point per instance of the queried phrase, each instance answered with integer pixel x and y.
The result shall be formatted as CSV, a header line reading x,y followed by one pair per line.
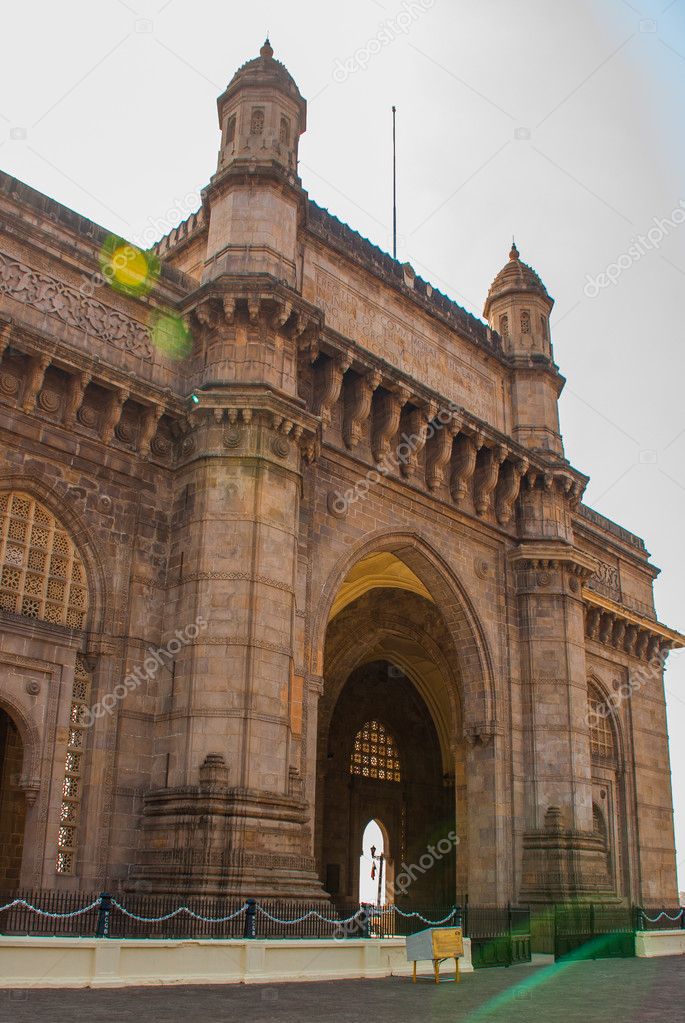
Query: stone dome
x,y
514,278
265,65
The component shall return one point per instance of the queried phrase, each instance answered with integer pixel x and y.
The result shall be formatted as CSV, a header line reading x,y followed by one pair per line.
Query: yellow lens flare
x,y
127,268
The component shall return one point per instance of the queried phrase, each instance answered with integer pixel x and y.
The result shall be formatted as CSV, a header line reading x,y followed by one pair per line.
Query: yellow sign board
x,y
448,942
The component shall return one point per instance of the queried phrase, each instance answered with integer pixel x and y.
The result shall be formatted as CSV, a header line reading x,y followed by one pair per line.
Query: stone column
x,y
229,814
561,856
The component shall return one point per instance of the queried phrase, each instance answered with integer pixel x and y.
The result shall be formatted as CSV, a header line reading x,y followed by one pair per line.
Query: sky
x,y
560,123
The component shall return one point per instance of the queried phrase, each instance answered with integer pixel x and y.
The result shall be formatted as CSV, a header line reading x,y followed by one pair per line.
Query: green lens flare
x,y
171,336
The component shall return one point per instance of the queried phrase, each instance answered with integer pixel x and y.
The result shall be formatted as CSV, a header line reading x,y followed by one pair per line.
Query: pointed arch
x,y
80,535
447,592
606,738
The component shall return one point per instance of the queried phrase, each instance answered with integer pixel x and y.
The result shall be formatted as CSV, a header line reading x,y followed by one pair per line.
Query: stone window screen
x,y
41,573
374,754
525,322
72,788
285,131
257,121
504,327
230,129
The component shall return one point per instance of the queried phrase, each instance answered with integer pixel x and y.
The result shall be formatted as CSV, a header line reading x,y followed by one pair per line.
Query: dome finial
x,y
267,49
514,254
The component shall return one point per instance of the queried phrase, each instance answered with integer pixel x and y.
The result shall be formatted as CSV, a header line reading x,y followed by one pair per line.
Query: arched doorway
x,y
383,763
396,639
12,803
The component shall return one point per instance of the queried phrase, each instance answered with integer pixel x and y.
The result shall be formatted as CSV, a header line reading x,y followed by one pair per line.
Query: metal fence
x,y
499,936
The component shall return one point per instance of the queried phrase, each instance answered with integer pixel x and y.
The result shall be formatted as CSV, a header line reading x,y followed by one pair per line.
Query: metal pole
x,y
394,182
381,860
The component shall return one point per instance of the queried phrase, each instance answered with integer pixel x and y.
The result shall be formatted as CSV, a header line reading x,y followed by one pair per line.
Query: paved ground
x,y
610,991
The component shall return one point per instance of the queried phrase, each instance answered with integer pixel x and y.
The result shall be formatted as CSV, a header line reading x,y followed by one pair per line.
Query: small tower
x,y
518,308
252,201
261,114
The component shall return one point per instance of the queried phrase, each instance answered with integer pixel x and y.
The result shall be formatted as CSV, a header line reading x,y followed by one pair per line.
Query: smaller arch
x,y
604,728
230,129
28,733
99,610
284,131
42,575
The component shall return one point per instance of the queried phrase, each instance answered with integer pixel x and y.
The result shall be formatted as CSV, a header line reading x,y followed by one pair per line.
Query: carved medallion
x,y
49,401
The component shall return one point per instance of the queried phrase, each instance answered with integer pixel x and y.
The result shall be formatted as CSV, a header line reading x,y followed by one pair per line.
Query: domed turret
x,y
252,202
261,114
518,307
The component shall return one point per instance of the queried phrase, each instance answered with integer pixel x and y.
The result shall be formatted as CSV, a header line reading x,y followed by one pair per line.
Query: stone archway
x,y
381,760
408,609
12,803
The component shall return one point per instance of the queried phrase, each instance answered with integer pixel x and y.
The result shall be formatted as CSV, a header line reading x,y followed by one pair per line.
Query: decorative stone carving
x,y
148,427
53,297
358,397
34,380
75,391
487,478
413,439
466,450
509,489
439,453
337,505
9,384
328,378
387,408
112,415
48,401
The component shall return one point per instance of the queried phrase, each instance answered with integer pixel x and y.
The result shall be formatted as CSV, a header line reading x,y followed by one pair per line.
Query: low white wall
x,y
107,962
659,943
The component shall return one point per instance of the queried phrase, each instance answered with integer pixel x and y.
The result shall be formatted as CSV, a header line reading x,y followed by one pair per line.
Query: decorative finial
x,y
267,49
514,254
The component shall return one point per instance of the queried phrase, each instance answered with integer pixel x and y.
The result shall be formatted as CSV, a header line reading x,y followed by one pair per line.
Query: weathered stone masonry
x,y
368,510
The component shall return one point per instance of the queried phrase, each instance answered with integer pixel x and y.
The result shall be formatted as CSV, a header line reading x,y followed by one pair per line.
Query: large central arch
x,y
446,591
393,609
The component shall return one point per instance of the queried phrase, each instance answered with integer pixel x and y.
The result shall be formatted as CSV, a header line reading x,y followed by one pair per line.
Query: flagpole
x,y
394,183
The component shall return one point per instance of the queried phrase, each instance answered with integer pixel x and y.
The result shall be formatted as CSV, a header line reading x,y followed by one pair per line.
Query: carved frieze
x,y
51,296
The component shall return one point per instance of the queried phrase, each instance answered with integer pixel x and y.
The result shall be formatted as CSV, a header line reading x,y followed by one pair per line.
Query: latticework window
x,y
41,573
70,812
285,131
525,322
375,754
230,129
257,121
601,731
504,327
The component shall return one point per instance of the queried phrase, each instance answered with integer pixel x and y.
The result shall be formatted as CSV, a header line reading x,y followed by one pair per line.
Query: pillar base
x,y
226,841
562,865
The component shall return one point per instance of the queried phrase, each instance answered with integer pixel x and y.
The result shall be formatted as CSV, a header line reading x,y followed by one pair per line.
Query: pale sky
x,y
561,123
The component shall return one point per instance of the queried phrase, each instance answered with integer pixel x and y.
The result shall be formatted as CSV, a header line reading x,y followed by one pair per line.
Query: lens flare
x,y
171,335
127,268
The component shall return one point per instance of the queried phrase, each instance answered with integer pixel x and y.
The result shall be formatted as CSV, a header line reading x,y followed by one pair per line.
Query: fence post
x,y
510,930
250,929
458,916
102,930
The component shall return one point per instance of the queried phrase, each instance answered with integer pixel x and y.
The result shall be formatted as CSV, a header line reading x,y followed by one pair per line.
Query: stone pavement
x,y
617,991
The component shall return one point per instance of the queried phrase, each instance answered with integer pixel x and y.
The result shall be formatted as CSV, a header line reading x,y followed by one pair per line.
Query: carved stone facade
x,y
345,511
